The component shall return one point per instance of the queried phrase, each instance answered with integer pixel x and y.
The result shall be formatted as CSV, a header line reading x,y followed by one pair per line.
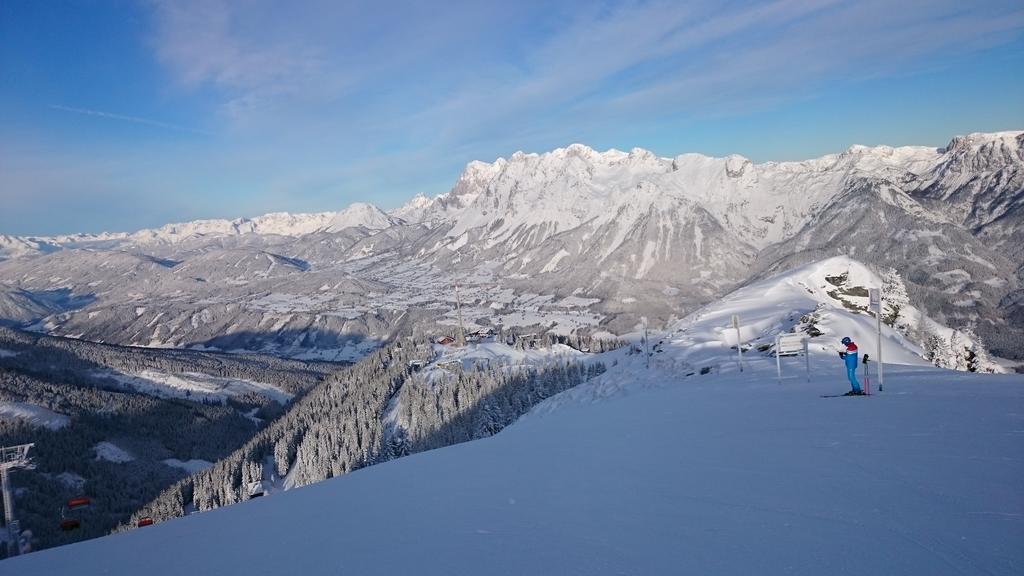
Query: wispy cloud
x,y
465,72
316,103
654,60
318,84
126,118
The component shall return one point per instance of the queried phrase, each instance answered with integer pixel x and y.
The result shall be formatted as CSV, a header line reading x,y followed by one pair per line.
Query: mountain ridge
x,y
628,234
302,220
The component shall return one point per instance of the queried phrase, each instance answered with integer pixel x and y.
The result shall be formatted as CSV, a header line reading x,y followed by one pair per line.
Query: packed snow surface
x,y
34,415
648,471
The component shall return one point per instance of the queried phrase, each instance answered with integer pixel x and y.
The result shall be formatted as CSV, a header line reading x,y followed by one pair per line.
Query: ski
x,y
843,395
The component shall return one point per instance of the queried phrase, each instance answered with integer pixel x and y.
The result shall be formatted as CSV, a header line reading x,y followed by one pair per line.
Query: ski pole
x,y
867,376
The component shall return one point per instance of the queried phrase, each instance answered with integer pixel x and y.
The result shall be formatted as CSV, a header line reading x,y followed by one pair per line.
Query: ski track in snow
x,y
194,386
190,466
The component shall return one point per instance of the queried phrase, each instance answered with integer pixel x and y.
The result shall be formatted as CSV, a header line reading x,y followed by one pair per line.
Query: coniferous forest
x,y
340,418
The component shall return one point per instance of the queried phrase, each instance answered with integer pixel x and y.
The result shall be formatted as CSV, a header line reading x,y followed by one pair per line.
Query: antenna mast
x,y
11,458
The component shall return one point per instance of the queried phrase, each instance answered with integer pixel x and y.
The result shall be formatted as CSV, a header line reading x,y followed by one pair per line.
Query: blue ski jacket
x,y
851,360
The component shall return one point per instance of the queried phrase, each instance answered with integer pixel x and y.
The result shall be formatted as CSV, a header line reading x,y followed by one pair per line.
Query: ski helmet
x,y
846,340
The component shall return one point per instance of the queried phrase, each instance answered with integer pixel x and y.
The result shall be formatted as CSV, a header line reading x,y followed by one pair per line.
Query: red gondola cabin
x,y
147,521
69,524
76,503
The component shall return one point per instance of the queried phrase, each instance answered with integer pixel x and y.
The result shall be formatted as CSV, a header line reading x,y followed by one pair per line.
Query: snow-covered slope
x,y
649,471
194,386
826,298
34,415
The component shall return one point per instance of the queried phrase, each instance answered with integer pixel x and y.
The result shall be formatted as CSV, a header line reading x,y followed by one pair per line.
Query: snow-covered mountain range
x,y
358,215
573,238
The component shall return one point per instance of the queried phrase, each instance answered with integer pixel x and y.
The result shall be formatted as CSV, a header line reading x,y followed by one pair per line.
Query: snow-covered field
x,y
729,473
496,354
194,386
190,466
35,415
112,453
72,481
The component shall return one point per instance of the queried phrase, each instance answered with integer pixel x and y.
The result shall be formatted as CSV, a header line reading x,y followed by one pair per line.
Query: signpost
x,y
791,345
875,302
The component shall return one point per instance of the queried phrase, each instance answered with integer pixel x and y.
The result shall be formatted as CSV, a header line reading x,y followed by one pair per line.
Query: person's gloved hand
x,y
842,355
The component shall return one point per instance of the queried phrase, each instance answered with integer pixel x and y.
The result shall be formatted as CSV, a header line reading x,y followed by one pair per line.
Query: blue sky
x,y
122,115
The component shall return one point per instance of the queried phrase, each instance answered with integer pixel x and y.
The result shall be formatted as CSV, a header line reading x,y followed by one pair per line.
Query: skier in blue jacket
x,y
850,357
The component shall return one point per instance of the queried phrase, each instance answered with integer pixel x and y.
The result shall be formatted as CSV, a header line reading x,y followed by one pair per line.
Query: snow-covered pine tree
x,y
937,350
895,298
958,351
977,358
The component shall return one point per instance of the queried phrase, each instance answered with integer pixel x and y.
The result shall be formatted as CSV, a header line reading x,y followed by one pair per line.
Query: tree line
x,y
382,408
66,376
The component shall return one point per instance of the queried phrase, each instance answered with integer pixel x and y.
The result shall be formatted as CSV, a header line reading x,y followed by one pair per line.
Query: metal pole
x,y
778,361
9,523
879,359
739,347
10,458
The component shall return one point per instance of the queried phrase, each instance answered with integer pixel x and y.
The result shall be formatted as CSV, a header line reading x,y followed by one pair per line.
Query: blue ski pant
x,y
851,373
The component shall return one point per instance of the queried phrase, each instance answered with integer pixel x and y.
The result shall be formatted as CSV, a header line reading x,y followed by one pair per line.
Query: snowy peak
x,y
412,211
561,188
633,214
979,183
987,143
360,215
279,223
